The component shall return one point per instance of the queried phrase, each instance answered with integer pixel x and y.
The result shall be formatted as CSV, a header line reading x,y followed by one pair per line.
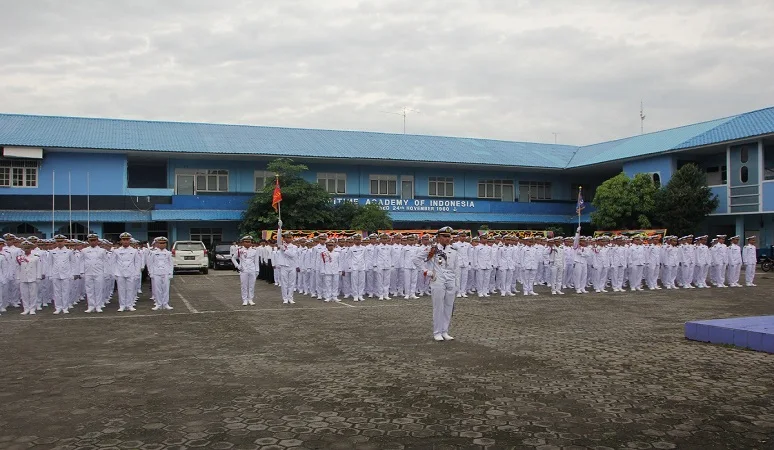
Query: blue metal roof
x,y
216,139
114,134
78,216
747,125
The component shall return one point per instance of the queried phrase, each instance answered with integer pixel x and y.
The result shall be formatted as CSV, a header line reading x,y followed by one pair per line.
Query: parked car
x,y
190,255
220,256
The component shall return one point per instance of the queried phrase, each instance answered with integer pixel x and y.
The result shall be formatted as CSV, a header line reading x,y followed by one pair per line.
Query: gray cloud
x,y
518,70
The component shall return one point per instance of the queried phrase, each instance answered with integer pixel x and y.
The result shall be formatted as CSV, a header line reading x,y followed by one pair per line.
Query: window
x,y
768,161
744,154
18,173
744,174
384,184
212,180
263,179
207,235
494,188
333,183
656,179
146,173
536,190
440,187
716,175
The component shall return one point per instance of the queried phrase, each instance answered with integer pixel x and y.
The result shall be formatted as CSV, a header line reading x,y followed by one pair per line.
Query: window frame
x,y
26,171
267,176
545,186
208,175
492,187
386,179
335,178
434,183
722,170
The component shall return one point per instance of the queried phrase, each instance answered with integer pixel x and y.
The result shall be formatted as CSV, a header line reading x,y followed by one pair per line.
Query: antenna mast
x,y
404,112
642,119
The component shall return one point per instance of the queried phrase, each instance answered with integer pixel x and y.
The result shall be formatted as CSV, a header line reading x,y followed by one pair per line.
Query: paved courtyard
x,y
594,371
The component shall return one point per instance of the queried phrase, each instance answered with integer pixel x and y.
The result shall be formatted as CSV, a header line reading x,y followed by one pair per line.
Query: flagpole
x,y
53,202
88,209
580,196
70,200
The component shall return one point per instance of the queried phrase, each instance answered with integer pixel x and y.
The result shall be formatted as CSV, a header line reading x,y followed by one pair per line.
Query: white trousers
x,y
160,290
287,282
749,273
247,282
483,276
61,293
529,280
3,296
357,282
443,305
127,290
600,278
557,278
635,277
733,272
382,283
409,279
580,274
329,282
14,293
29,295
94,290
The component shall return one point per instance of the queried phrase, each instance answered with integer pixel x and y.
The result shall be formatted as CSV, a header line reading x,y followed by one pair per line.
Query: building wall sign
x,y
419,205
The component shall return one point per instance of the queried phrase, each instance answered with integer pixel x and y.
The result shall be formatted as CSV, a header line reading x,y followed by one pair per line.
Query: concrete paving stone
x,y
588,371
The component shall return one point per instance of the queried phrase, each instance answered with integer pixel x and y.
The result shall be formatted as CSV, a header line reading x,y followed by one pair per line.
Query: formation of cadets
x,y
36,273
386,266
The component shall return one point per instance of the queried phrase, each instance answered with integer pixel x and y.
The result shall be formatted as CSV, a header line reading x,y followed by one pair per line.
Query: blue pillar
x,y
740,227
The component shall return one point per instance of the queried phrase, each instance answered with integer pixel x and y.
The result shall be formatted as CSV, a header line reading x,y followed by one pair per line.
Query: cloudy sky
x,y
504,69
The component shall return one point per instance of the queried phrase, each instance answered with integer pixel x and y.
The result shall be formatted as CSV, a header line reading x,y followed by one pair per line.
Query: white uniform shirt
x,y
94,261
160,263
750,254
63,263
127,262
30,268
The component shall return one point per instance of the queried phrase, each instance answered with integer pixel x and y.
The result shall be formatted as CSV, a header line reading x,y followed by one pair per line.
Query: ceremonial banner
x,y
520,233
271,235
418,233
661,232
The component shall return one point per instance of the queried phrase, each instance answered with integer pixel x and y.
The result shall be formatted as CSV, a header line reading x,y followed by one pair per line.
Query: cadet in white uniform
x,y
246,262
94,264
161,270
734,262
441,267
287,254
750,260
126,269
30,273
62,264
357,268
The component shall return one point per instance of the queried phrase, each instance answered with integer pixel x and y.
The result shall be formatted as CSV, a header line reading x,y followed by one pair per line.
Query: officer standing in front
x,y
441,263
161,269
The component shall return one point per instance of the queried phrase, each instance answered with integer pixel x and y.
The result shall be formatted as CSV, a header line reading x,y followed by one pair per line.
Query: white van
x,y
190,255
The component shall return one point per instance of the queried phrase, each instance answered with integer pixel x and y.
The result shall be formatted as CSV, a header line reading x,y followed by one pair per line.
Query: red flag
x,y
276,198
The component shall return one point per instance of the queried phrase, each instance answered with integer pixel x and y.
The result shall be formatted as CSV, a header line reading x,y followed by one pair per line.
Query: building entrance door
x,y
407,188
184,184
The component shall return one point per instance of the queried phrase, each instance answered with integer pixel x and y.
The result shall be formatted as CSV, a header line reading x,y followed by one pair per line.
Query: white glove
x,y
578,229
279,224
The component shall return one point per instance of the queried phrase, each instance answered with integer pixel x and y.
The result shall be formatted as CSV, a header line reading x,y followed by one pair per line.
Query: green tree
x,y
371,217
343,215
685,201
304,205
624,203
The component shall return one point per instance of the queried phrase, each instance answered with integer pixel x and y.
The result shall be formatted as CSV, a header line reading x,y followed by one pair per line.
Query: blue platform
x,y
754,333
